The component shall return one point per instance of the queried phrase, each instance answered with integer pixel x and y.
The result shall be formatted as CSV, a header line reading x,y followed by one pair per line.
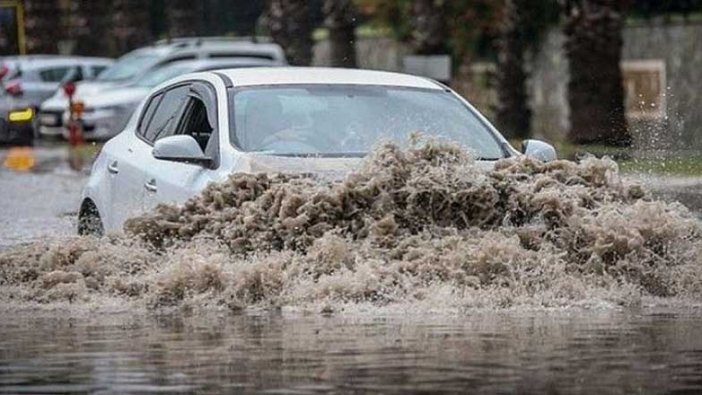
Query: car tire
x,y
89,221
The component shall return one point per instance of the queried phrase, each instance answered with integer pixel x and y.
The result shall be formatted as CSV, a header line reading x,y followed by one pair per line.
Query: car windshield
x,y
157,76
351,119
128,67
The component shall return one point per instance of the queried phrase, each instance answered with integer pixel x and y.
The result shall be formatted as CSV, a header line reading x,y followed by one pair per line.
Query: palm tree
x,y
340,19
523,25
43,25
593,31
290,25
131,23
429,28
513,112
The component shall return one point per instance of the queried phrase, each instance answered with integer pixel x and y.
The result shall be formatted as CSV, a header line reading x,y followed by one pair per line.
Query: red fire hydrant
x,y
75,127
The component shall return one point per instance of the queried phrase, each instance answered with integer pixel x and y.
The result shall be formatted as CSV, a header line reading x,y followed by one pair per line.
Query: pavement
x,y
686,190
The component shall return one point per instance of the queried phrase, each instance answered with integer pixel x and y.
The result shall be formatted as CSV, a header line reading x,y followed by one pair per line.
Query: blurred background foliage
x,y
503,33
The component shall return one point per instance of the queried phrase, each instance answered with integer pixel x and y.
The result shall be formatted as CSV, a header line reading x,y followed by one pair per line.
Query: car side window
x,y
176,59
96,70
163,121
54,74
195,123
148,113
199,120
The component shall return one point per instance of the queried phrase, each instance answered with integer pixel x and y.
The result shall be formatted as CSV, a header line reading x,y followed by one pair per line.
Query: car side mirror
x,y
539,150
180,148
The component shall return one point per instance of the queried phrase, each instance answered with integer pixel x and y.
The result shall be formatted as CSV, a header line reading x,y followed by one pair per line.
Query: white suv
x,y
135,64
199,128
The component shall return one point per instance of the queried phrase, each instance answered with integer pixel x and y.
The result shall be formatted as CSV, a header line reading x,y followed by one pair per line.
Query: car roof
x,y
323,75
206,64
223,48
223,62
37,61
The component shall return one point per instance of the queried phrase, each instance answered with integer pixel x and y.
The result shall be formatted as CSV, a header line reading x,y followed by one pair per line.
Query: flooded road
x,y
559,352
98,348
40,203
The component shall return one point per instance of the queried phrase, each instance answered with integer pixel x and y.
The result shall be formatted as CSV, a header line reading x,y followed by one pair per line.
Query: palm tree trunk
x,y
593,46
340,19
290,26
43,26
513,113
429,27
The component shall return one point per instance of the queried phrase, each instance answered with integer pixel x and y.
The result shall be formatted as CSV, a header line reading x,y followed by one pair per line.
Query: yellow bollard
x,y
20,159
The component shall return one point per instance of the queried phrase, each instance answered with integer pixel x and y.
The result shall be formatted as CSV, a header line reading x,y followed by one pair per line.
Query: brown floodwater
x,y
497,352
420,272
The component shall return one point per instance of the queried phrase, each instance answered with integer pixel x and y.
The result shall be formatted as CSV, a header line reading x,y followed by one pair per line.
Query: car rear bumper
x,y
95,126
16,133
50,123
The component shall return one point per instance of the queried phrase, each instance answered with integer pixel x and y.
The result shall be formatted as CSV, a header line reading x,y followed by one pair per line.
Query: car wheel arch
x,y
89,219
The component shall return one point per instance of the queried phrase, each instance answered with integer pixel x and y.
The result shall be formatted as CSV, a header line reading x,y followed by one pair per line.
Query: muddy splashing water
x,y
423,227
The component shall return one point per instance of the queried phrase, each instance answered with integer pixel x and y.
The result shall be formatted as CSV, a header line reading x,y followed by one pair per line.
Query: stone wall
x,y
381,53
676,48
680,47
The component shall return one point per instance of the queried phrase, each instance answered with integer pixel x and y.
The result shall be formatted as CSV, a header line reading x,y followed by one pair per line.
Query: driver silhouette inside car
x,y
269,128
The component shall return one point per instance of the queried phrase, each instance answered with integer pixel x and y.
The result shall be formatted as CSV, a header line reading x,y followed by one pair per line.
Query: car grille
x,y
51,118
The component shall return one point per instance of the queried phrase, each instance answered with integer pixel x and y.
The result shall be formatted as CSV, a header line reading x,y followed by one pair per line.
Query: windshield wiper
x,y
480,158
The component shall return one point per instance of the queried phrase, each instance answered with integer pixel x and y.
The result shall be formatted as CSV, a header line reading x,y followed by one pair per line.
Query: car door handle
x,y
151,185
112,168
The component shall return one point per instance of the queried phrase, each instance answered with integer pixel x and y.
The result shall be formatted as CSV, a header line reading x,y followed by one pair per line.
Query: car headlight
x,y
21,115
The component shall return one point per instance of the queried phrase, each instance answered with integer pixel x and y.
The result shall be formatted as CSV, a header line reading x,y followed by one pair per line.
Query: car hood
x,y
114,97
327,168
333,168
59,100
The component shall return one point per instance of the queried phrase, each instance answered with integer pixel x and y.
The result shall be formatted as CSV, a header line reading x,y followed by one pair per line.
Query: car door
x,y
174,182
129,166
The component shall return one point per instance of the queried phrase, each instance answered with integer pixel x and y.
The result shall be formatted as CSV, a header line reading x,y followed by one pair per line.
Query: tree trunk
x,y
340,19
185,18
290,26
593,46
131,24
513,113
429,27
43,26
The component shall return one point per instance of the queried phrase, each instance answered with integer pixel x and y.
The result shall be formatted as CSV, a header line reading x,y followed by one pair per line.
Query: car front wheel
x,y
89,221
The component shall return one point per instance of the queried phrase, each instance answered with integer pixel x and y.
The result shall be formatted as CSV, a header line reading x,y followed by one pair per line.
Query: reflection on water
x,y
562,352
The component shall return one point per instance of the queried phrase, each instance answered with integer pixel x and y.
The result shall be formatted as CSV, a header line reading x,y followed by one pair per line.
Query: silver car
x,y
30,80
107,112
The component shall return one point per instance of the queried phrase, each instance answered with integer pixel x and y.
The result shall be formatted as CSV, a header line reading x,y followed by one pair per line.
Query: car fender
x,y
96,188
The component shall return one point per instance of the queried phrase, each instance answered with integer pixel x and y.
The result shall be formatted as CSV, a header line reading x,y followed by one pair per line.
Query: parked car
x,y
199,128
135,64
27,81
107,111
